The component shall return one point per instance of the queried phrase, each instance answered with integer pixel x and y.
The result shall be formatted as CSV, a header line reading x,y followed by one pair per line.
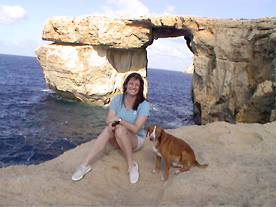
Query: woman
x,y
127,114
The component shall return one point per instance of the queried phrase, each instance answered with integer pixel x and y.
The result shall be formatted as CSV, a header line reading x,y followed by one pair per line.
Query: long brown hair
x,y
140,96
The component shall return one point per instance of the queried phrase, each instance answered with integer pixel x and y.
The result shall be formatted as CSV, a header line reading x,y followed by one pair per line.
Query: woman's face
x,y
133,87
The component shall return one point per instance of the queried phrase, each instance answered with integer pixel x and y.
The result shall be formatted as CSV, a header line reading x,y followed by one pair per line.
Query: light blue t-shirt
x,y
130,115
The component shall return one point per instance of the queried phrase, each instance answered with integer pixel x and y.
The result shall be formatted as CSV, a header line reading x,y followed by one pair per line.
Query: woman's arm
x,y
134,128
143,113
111,117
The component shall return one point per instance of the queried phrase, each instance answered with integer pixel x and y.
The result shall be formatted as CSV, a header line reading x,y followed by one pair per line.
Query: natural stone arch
x,y
234,60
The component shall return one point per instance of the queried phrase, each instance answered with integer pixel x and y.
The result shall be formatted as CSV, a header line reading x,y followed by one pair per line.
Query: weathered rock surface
x,y
92,74
241,172
97,30
234,60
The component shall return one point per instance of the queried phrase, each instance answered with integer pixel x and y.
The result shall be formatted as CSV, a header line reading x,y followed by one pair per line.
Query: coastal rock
x,y
241,172
97,30
256,105
232,60
189,69
91,74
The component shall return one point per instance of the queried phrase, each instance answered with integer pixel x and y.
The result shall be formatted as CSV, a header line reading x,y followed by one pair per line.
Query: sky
x,y
21,21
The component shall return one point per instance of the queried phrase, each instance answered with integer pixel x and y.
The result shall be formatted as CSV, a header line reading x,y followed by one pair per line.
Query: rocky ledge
x,y
241,172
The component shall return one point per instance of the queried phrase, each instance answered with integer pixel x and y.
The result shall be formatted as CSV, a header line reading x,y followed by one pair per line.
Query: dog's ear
x,y
162,135
158,133
148,130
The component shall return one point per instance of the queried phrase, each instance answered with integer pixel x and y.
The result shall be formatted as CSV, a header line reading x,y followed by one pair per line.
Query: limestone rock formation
x,y
234,60
92,74
189,69
97,30
241,172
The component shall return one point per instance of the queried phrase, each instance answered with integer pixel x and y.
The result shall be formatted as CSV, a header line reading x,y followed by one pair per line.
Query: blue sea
x,y
37,125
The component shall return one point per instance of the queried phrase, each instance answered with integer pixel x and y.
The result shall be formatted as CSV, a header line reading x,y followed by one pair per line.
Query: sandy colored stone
x,y
232,60
96,30
91,74
241,172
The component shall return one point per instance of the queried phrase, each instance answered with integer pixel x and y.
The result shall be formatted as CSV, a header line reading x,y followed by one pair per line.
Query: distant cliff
x,y
189,69
234,60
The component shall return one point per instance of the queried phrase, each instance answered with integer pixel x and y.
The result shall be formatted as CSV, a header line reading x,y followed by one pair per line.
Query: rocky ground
x,y
241,172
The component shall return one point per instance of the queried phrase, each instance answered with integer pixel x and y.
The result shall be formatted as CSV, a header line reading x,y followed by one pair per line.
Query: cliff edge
x,y
241,172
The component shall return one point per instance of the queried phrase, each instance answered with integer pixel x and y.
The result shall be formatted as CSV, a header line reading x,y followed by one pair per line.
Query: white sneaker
x,y
133,173
80,172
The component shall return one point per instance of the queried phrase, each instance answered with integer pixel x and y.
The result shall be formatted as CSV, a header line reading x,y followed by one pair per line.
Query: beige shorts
x,y
140,143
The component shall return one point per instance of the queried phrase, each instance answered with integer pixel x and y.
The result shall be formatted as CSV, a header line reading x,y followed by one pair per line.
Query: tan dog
x,y
172,149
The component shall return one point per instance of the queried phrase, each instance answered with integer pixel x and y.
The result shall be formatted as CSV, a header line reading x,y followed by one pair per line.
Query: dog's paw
x,y
177,172
154,171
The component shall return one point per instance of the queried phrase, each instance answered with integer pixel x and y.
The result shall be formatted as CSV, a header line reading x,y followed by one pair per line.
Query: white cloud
x,y
170,9
124,8
171,47
11,14
170,53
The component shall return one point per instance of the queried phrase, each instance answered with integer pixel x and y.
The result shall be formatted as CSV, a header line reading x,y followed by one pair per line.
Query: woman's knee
x,y
120,131
107,132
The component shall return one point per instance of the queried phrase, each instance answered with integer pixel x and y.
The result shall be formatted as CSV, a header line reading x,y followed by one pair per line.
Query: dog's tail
x,y
200,166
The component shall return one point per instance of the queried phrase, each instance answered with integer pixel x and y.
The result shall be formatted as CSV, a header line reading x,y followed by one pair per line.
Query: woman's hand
x,y
112,126
113,120
110,118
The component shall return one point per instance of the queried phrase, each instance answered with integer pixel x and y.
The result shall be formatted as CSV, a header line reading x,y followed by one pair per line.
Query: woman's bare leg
x,y
127,142
99,144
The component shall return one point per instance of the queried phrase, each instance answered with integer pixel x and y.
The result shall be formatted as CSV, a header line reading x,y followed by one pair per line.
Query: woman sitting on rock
x,y
128,112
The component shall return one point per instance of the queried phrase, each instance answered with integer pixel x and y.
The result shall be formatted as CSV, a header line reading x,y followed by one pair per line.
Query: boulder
x,y
91,74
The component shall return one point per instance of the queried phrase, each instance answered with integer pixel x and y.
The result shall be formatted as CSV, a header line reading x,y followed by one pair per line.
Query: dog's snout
x,y
151,133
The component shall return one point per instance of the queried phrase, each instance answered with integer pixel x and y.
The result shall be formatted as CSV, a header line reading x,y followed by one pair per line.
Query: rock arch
x,y
234,60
